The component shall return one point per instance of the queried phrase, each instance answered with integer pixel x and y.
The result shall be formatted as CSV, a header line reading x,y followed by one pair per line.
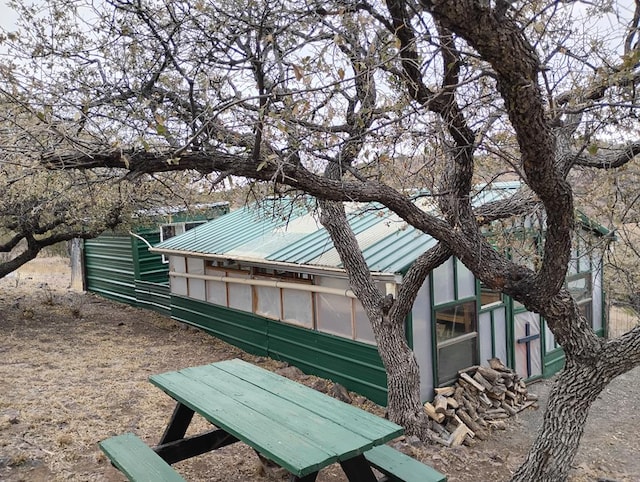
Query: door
x,y
527,344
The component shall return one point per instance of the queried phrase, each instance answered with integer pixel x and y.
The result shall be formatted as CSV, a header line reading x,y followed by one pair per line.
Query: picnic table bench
x,y
296,427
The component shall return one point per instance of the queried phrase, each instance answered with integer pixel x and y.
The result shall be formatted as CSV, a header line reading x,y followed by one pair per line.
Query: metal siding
x,y
278,231
149,265
109,267
238,328
315,245
395,253
355,365
154,296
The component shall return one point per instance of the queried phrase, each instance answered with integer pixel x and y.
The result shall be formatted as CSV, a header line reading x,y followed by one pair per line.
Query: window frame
x,y
461,338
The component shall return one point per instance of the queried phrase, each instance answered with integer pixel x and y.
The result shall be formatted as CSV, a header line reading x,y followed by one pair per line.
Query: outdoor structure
x,y
267,279
118,265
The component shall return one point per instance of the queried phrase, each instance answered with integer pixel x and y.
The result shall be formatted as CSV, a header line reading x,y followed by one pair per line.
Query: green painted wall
x,y
355,365
154,296
120,267
238,328
109,267
149,266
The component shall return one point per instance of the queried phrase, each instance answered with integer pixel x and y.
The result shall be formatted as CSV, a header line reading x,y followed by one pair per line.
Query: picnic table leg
x,y
357,469
307,478
180,420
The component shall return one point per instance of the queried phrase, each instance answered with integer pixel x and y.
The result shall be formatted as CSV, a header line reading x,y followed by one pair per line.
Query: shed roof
x,y
288,232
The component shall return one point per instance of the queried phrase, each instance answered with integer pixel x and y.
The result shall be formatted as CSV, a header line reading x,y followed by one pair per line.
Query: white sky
x,y
7,16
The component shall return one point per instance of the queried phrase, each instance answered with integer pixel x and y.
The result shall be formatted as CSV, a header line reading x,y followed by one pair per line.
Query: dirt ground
x,y
74,368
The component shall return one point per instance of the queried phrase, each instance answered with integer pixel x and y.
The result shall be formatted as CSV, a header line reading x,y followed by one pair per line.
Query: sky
x,y
7,16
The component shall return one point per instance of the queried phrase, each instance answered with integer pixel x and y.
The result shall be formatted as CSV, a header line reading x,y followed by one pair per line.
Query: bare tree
x,y
363,101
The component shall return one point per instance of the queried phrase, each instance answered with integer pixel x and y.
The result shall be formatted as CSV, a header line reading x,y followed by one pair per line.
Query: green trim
x,y
408,329
543,339
604,314
552,362
593,226
454,303
455,277
135,256
434,341
510,332
493,333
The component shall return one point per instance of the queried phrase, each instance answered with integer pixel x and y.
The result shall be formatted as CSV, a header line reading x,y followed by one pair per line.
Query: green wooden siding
x,y
355,365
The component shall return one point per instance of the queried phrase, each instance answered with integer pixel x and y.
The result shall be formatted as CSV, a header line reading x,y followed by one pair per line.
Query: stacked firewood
x,y
478,402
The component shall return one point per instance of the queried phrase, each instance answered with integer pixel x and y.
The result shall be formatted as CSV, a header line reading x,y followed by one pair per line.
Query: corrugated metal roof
x,y
247,225
314,247
285,232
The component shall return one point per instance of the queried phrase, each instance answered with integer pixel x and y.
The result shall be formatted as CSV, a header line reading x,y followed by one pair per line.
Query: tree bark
x,y
404,405
550,457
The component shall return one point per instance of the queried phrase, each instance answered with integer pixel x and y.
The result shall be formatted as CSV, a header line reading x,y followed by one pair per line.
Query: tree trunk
x,y
404,406
550,457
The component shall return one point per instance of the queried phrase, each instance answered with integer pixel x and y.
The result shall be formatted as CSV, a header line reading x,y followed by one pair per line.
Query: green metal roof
x,y
289,232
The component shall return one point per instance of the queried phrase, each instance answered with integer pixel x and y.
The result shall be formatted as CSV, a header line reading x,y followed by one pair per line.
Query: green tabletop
x,y
297,427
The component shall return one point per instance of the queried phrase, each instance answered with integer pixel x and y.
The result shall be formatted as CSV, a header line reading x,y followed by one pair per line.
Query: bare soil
x,y
74,368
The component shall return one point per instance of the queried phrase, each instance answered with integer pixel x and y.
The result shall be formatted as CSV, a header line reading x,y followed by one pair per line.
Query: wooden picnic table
x,y
298,428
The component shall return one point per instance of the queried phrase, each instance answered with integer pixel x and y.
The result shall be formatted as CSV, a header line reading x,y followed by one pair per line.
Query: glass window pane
x,y
167,231
457,339
580,286
489,296
587,311
443,283
195,224
455,320
456,356
466,281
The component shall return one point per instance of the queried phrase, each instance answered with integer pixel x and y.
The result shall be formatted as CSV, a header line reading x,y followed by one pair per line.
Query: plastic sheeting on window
x,y
298,307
